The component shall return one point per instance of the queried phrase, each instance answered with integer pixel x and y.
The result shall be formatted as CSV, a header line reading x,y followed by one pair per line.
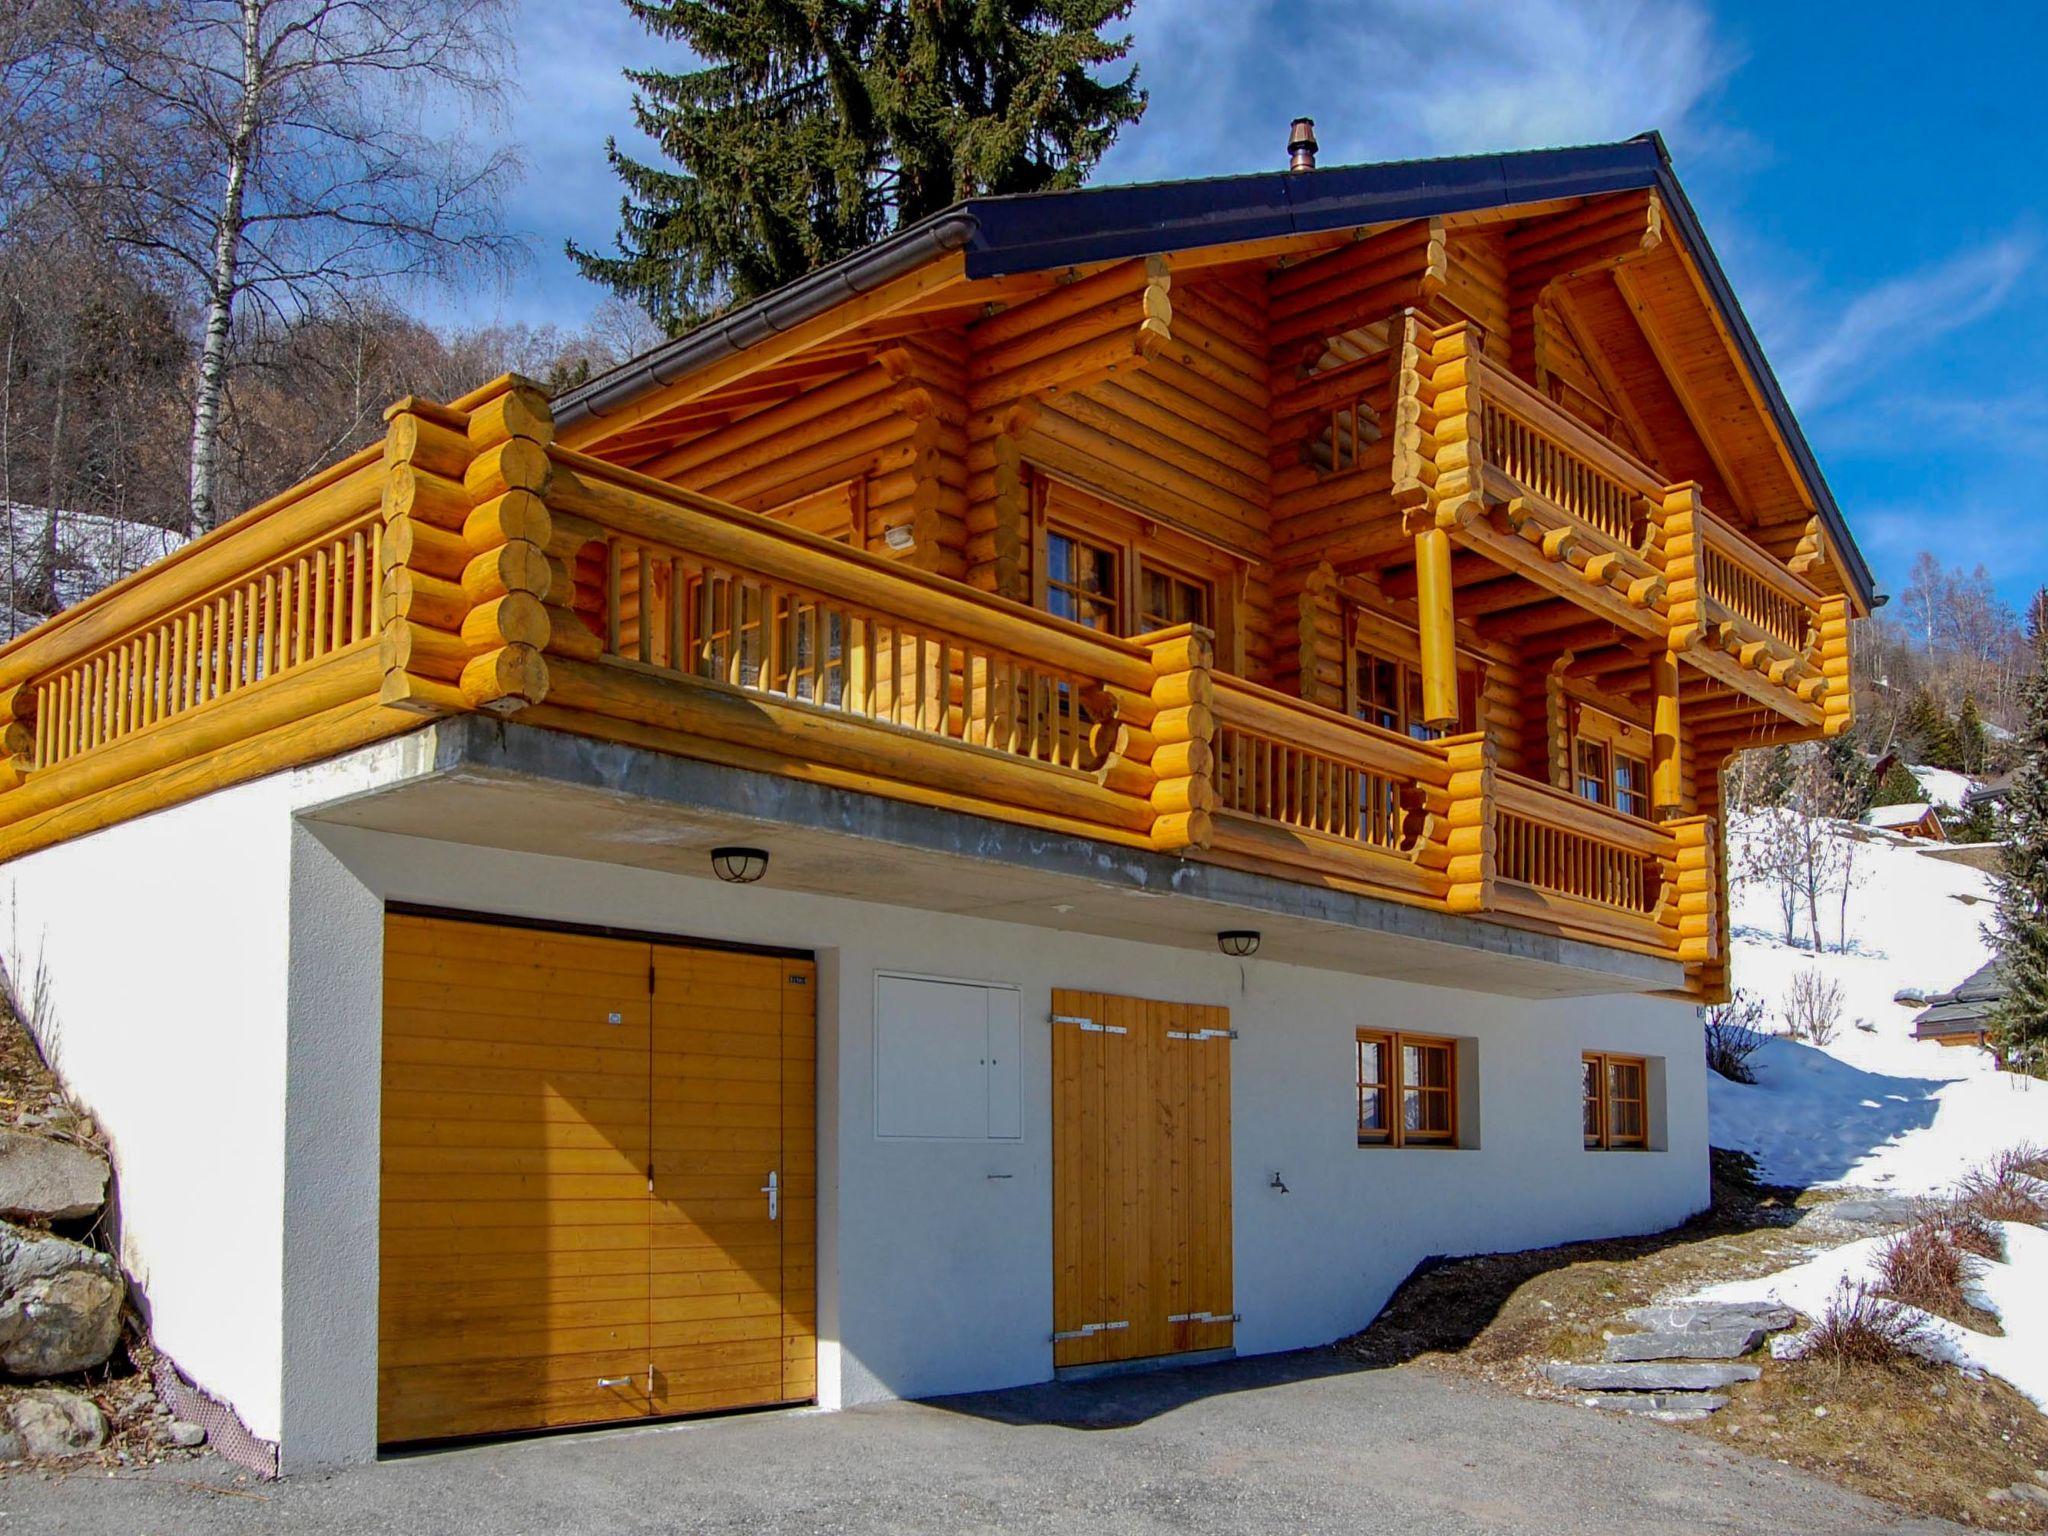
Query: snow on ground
x,y
2011,1291
1875,1108
1942,786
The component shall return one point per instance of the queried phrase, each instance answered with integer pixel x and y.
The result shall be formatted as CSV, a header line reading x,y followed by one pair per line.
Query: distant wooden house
x,y
1962,1016
1917,819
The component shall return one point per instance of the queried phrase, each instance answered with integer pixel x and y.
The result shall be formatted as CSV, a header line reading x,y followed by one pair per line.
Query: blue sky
x,y
1870,179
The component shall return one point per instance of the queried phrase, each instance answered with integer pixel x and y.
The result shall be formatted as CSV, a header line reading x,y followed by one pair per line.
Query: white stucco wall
x,y
257,1227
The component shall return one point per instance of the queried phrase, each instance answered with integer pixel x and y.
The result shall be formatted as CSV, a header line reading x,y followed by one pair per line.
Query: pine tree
x,y
1930,734
1848,771
1972,746
1897,787
2019,1023
818,126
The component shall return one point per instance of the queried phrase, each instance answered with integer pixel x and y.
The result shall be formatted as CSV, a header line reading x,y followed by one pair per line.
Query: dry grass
x,y
1966,1230
1862,1328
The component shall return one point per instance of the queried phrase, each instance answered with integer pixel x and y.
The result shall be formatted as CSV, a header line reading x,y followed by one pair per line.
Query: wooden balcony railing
x,y
518,577
1313,789
1483,455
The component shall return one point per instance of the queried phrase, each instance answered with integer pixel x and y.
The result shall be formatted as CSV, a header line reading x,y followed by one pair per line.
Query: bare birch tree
x,y
292,154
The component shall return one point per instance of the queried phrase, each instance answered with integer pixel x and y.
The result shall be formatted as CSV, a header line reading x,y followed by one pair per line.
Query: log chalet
x,y
1089,783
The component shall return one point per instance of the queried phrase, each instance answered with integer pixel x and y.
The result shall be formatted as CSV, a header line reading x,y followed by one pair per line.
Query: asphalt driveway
x,y
1293,1443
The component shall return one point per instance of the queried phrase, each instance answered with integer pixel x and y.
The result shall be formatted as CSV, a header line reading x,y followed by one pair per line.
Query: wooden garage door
x,y
579,1133
1141,1178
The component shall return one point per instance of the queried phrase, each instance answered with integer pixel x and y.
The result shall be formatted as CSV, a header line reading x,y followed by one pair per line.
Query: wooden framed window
x,y
1387,691
1615,1091
1166,598
1083,581
1407,1090
1127,573
1610,762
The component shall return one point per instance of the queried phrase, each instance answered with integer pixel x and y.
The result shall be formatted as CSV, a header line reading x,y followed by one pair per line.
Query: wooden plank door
x,y
733,1315
514,1255
1141,1178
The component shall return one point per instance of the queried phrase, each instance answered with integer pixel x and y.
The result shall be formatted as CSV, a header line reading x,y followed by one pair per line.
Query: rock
x,y
49,1180
1879,1211
60,1305
2030,1494
1686,1344
1659,1377
1997,1495
53,1422
2041,1476
1670,1406
180,1433
1768,1316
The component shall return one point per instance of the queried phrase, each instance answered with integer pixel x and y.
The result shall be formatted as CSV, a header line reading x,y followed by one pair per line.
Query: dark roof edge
x,y
771,314
1857,570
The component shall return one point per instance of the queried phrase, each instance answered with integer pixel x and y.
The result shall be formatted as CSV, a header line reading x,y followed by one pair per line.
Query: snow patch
x,y
1943,786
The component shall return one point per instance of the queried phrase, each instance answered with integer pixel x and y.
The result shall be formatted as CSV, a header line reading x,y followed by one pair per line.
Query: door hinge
x,y
1204,1317
1201,1034
1089,1330
1089,1024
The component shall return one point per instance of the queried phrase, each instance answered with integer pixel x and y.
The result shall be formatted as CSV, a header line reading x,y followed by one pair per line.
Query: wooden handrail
x,y
1739,547
1500,387
1372,748
1554,807
624,502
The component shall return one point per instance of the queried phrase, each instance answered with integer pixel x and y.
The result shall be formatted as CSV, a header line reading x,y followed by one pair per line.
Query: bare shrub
x,y
1733,1036
1861,1327
2028,1159
2002,1191
1924,1268
1965,1229
1812,1009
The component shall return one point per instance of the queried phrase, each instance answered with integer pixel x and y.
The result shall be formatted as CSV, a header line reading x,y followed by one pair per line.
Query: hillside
x,y
1874,1108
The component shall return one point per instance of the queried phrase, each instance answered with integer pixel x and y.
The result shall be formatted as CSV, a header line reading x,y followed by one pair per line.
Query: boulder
x,y
52,1422
60,1305
1658,1377
1686,1344
46,1180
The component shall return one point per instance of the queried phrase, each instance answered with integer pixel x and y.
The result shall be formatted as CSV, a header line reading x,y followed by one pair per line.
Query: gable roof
x,y
1911,813
1028,232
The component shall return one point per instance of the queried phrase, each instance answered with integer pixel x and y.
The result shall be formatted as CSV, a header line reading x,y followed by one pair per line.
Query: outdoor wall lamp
x,y
740,866
1239,942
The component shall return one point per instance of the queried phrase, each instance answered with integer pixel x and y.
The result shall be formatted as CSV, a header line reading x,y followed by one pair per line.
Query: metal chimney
x,y
1301,145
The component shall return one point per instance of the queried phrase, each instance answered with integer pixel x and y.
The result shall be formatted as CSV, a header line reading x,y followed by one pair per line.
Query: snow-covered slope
x,y
1874,1108
1942,786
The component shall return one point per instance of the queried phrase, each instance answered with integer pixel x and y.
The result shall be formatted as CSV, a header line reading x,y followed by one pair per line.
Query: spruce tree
x,y
1930,734
1971,744
1849,774
2019,1023
816,127
1897,787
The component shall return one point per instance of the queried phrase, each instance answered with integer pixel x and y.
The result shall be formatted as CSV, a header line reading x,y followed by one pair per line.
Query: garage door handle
x,y
615,1381
773,1191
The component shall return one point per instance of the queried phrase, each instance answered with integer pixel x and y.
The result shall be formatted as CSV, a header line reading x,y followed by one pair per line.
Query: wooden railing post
x,y
17,735
509,574
1680,540
1437,453
1183,729
1695,913
1835,695
1469,830
421,603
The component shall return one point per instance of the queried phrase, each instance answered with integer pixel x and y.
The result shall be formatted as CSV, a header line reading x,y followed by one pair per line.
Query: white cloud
x,y
1389,79
1885,325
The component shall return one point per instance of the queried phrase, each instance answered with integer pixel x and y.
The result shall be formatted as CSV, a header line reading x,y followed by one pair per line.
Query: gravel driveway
x,y
1287,1443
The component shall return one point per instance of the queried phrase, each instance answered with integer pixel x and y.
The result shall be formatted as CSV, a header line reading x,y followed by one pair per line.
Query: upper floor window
x,y
1616,1097
1166,598
1610,761
1084,581
1387,692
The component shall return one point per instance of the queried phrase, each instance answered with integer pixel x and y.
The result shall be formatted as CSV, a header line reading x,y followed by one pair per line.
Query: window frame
x,y
1601,1136
1393,1089
1116,601
1618,742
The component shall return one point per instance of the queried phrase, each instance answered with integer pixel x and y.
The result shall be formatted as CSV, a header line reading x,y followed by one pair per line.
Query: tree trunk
x,y
221,284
